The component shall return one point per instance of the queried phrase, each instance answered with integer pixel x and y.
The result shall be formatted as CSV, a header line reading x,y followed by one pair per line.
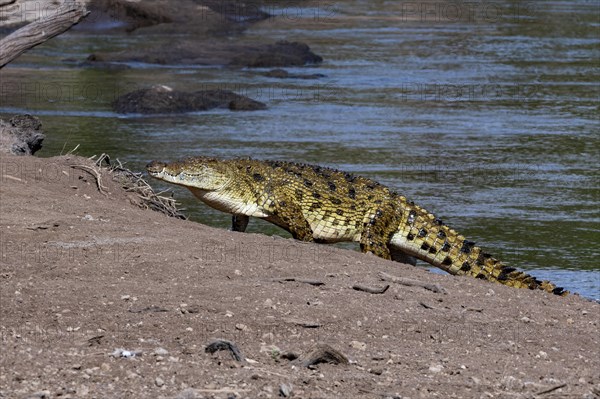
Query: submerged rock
x,y
283,74
280,54
21,135
165,100
207,17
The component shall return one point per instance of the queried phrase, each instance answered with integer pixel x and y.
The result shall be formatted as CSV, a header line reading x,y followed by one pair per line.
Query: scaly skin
x,y
325,205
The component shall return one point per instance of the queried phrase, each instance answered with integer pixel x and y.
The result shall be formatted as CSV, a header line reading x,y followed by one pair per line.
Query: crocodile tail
x,y
427,238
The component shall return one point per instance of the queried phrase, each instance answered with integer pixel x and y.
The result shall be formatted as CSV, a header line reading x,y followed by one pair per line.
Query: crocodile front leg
x,y
239,222
379,229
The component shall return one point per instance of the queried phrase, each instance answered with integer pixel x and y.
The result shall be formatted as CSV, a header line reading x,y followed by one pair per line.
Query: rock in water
x,y
164,100
21,135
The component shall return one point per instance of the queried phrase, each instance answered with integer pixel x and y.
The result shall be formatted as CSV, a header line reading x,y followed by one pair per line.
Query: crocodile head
x,y
203,173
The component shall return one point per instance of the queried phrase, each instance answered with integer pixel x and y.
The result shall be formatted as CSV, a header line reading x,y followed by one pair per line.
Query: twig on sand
x,y
411,283
299,280
223,344
94,173
135,183
551,389
221,390
267,372
323,353
370,290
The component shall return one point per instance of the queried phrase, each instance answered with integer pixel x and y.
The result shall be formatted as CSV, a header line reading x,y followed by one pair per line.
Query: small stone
x,y
125,297
376,371
159,382
285,390
476,380
160,352
268,303
358,345
83,390
436,368
131,375
542,355
525,319
241,327
268,337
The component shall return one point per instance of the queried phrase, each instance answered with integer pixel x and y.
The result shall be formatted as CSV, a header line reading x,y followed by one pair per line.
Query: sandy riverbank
x,y
85,272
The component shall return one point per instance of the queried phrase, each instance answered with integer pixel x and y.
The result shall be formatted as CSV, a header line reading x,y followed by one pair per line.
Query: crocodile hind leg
x,y
239,222
377,232
288,215
402,257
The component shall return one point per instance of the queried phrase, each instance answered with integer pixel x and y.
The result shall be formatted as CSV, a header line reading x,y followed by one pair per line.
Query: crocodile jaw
x,y
156,169
202,177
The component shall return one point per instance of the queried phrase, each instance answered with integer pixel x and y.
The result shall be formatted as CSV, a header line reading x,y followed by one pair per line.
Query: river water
x,y
485,113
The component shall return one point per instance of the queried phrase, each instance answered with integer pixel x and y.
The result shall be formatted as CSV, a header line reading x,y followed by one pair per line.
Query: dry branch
x,y
411,283
299,280
37,32
323,353
370,290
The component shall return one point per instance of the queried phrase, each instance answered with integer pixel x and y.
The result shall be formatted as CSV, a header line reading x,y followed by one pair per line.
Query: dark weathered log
x,y
37,32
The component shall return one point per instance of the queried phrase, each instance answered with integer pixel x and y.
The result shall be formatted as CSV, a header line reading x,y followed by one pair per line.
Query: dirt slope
x,y
85,272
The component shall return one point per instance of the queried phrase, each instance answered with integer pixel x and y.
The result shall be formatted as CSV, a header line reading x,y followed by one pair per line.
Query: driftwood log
x,y
68,14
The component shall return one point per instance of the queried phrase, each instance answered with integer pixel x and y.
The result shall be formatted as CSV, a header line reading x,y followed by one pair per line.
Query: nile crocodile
x,y
325,205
